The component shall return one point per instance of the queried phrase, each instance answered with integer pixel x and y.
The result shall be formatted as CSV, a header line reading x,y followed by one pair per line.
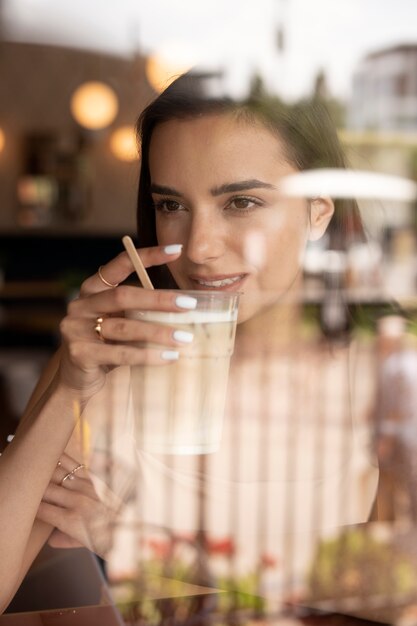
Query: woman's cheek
x,y
177,273
283,259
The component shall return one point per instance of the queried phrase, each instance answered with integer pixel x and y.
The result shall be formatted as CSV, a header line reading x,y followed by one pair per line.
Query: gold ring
x,y
70,475
97,328
103,280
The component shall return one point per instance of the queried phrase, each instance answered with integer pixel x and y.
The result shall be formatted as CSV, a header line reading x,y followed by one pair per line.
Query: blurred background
x,y
74,77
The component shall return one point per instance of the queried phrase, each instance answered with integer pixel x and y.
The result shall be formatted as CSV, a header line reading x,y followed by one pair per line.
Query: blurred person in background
x,y
395,421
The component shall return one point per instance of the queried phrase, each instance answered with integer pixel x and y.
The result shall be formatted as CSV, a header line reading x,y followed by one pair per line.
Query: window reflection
x,y
310,503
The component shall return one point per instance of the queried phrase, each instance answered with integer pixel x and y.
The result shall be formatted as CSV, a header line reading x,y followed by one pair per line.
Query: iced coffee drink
x,y
179,408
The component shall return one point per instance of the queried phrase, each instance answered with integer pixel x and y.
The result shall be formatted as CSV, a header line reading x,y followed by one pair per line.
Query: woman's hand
x,y
79,516
86,357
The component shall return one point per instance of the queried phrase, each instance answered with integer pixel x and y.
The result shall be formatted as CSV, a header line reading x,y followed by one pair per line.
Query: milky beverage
x,y
179,407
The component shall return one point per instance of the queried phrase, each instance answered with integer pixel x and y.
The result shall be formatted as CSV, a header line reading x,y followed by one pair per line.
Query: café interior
x,y
186,551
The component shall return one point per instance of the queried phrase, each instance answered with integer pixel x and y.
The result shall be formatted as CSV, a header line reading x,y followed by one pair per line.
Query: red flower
x,y
268,561
225,546
160,547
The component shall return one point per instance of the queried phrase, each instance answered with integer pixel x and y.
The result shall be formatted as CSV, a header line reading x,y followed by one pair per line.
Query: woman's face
x,y
216,190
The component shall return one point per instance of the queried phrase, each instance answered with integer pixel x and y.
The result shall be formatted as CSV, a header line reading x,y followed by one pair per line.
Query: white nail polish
x,y
170,355
183,336
186,302
174,248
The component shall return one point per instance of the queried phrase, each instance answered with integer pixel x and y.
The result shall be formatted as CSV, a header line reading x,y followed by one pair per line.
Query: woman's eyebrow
x,y
243,185
164,191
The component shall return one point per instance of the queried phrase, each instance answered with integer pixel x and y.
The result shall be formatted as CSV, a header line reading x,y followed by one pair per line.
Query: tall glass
x,y
179,408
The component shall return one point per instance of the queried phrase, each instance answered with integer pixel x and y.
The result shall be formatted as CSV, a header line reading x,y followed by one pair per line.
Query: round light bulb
x,y
94,105
2,139
123,144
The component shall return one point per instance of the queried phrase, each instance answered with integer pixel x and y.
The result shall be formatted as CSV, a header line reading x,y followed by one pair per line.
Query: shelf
x,y
33,289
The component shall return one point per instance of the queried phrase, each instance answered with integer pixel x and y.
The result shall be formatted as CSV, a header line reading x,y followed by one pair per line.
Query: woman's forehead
x,y
214,137
215,123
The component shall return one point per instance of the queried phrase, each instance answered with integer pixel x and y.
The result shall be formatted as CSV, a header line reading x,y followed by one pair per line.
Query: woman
x,y
212,179
211,215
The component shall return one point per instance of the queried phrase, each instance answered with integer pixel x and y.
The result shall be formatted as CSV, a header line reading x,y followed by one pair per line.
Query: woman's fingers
x,y
68,469
58,539
79,328
79,529
71,505
85,521
122,329
93,346
72,482
128,298
51,514
109,356
65,492
75,495
69,476
119,268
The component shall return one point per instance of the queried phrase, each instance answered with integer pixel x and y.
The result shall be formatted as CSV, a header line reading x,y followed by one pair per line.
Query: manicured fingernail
x,y
170,355
174,248
183,336
186,302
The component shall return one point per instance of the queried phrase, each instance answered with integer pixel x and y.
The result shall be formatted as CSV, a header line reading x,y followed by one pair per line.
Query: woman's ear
x,y
321,212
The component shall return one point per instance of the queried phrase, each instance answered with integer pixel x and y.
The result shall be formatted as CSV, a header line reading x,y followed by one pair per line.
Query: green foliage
x,y
356,564
240,593
160,589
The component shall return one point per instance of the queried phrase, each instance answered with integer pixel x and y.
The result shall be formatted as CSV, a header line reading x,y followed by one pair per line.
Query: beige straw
x,y
137,263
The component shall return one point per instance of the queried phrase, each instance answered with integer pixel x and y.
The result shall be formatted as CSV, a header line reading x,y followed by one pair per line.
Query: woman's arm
x,y
74,376
25,470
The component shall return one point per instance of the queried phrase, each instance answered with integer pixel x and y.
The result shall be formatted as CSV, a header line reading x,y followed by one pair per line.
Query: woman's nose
x,y
206,237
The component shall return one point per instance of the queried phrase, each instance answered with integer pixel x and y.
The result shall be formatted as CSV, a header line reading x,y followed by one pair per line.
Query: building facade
x,y
384,94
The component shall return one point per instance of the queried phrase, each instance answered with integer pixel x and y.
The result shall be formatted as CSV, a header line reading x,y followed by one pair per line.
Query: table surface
x,y
83,616
110,616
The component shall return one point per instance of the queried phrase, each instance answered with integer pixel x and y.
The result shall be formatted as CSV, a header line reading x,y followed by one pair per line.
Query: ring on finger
x,y
106,282
70,475
98,327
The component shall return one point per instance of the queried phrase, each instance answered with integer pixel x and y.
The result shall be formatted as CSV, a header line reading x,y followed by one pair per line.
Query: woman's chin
x,y
261,304
250,306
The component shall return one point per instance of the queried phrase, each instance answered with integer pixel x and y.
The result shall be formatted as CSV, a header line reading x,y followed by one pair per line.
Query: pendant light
x,y
94,105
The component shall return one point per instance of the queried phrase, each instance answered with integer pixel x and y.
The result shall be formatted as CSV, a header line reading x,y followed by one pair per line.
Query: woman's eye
x,y
242,203
167,206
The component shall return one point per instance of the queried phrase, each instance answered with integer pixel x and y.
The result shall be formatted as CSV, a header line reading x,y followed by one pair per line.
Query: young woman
x,y
212,214
212,179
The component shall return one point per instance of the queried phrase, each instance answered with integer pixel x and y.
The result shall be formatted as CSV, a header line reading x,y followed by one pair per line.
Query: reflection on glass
x,y
309,503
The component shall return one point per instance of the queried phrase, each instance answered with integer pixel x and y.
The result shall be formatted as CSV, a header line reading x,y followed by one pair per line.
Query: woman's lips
x,y
228,282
